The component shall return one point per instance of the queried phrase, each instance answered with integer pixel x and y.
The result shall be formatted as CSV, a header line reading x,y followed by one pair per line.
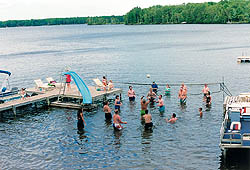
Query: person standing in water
x,y
144,105
154,87
118,103
161,104
173,119
148,120
131,94
80,120
117,121
107,111
208,99
167,90
182,96
151,95
205,90
200,110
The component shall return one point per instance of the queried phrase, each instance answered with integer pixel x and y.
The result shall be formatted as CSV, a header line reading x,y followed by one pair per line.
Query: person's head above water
x,y
160,96
130,87
208,92
200,109
173,115
106,102
146,111
104,77
117,97
143,101
150,89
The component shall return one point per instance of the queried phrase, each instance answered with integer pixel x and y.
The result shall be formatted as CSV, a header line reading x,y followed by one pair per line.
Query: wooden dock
x,y
243,59
50,98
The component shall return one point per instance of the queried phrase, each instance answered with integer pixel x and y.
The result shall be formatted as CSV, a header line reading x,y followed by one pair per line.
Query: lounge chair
x,y
99,83
40,84
53,82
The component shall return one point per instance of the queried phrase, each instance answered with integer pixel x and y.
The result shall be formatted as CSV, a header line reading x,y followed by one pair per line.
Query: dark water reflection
x,y
49,139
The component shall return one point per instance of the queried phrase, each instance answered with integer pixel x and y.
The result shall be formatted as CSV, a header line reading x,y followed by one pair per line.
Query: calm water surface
x,y
48,139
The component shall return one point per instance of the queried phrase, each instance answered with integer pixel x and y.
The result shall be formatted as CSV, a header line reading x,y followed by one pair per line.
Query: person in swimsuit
x,y
68,81
148,120
117,121
208,99
131,94
151,95
144,105
161,104
167,90
173,119
200,110
110,85
154,87
205,90
81,121
118,103
23,93
107,111
182,96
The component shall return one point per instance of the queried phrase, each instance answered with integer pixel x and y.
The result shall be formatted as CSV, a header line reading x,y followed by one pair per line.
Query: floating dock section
x,y
71,98
243,59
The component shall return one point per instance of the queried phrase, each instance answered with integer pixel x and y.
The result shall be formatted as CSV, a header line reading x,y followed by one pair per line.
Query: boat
x,y
7,93
235,128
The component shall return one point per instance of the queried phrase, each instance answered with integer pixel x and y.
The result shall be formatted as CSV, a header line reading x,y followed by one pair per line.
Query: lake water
x,y
48,139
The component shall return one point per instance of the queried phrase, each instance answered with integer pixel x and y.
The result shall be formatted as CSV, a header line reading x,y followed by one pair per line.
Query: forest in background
x,y
225,11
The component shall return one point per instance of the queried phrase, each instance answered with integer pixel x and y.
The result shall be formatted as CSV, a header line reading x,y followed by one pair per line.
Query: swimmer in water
x,y
107,111
200,110
151,96
173,119
205,90
208,99
117,121
81,121
148,120
131,94
118,103
182,96
161,104
144,105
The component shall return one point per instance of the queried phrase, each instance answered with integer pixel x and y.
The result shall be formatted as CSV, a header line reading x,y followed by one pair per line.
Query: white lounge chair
x,y
99,84
40,84
53,82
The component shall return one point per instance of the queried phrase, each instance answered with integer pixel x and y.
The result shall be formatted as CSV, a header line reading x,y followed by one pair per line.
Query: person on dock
x,y
208,99
118,103
23,93
110,85
148,120
182,95
81,121
167,90
107,111
151,95
201,114
205,90
68,81
173,119
117,121
161,104
144,106
154,87
131,94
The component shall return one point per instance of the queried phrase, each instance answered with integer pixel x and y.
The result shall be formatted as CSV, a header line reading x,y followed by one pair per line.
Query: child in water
x,y
200,110
173,119
80,121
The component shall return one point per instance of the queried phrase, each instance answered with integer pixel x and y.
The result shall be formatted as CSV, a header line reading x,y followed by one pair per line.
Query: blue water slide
x,y
82,87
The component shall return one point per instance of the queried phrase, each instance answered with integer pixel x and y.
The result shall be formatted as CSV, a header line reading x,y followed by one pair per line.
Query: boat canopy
x,y
5,72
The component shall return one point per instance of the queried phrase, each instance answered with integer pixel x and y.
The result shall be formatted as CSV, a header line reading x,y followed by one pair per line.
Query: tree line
x,y
225,11
64,21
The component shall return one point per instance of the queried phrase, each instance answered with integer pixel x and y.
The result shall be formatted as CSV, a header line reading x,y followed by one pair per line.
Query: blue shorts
x,y
162,108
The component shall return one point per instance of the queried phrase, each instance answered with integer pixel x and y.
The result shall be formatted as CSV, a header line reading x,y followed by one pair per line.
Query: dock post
x,y
14,110
48,102
120,96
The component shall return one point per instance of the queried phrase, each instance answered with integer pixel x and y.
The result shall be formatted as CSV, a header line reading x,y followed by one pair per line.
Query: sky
x,y
38,9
